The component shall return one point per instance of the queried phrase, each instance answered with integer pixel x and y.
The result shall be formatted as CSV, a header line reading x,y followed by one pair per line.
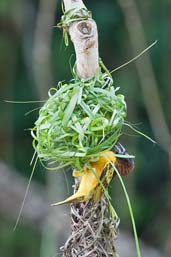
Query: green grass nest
x,y
80,119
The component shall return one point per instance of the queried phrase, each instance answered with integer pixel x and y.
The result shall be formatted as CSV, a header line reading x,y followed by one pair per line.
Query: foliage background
x,y
150,185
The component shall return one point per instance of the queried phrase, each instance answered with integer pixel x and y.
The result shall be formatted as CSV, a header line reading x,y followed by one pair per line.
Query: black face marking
x,y
119,149
124,165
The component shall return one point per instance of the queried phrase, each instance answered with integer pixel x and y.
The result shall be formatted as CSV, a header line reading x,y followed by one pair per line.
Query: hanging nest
x,y
80,119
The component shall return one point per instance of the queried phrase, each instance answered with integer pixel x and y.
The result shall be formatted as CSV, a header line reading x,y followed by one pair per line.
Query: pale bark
x,y
69,4
84,36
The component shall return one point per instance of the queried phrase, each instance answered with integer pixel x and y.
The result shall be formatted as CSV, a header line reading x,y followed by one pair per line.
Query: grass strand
x,y
25,195
130,209
135,58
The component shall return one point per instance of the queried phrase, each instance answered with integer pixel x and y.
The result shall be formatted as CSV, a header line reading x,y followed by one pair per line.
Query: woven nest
x,y
93,231
79,120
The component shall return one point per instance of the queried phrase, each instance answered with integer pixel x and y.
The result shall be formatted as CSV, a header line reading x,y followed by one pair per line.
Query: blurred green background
x,y
33,58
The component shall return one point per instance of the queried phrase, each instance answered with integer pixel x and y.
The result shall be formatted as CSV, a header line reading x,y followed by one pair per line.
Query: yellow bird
x,y
90,186
90,179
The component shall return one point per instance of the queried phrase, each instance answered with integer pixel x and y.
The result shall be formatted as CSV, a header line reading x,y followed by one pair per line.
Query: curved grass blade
x,y
112,210
59,167
135,58
70,108
139,132
130,209
25,196
29,112
23,102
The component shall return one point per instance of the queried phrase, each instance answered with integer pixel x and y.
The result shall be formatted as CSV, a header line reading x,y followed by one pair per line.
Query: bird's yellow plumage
x,y
90,187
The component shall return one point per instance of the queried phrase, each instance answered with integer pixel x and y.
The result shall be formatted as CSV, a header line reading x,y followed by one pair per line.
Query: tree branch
x,y
84,36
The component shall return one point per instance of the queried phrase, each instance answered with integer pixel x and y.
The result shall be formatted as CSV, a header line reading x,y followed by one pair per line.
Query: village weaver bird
x,y
90,186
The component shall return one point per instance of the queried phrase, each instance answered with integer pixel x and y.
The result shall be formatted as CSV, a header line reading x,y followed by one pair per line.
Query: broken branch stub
x,y
84,36
85,39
